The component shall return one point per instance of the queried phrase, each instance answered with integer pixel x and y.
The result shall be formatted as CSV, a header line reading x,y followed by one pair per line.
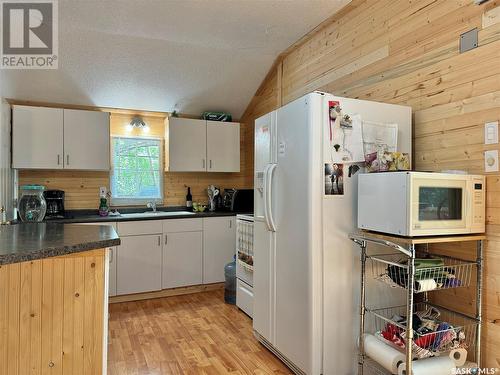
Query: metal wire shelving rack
x,y
399,270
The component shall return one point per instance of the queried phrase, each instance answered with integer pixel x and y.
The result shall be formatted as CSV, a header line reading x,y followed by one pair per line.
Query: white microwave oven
x,y
421,203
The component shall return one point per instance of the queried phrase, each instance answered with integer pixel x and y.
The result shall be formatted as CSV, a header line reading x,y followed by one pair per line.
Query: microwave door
x,y
438,205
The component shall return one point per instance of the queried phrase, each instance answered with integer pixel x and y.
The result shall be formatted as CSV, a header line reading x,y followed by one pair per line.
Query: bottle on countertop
x,y
104,195
189,198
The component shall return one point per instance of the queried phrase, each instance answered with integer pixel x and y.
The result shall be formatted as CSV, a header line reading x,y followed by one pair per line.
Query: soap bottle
x,y
103,205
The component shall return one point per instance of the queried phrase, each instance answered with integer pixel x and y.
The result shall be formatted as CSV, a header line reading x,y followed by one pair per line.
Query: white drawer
x,y
182,225
244,274
244,297
135,228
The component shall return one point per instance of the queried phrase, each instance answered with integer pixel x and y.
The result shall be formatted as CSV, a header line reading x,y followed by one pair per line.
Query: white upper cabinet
x,y
203,146
55,138
223,146
86,140
37,137
187,142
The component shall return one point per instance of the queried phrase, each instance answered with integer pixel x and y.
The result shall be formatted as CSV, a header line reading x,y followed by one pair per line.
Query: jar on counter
x,y
32,205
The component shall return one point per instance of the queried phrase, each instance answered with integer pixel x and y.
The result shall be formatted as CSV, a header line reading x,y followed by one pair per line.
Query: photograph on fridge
x,y
334,179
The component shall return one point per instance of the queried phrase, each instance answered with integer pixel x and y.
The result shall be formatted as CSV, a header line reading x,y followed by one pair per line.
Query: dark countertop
x,y
90,216
31,241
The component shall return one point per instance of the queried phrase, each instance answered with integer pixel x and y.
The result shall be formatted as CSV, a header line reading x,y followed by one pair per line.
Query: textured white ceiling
x,y
188,55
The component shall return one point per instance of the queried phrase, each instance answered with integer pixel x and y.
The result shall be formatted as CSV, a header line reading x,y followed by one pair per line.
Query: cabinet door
x,y
219,247
37,137
223,146
187,145
86,140
182,259
139,264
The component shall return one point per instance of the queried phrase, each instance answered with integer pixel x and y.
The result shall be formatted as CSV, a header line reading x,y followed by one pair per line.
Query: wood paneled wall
x,y
52,315
82,187
407,52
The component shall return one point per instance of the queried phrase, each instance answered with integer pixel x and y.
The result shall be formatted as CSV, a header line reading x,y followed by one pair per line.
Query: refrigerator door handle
x,y
265,198
270,218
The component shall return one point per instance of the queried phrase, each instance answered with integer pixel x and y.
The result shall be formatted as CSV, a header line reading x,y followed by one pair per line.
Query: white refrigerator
x,y
306,281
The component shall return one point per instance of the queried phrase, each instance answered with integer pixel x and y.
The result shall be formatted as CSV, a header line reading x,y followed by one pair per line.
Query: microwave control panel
x,y
478,202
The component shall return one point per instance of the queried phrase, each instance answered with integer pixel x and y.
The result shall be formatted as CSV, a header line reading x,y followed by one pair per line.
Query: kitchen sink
x,y
157,213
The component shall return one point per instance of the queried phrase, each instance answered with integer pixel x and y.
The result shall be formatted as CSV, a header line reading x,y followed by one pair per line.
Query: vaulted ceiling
x,y
161,55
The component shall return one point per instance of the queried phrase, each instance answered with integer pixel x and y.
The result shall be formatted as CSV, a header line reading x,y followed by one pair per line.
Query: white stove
x,y
244,263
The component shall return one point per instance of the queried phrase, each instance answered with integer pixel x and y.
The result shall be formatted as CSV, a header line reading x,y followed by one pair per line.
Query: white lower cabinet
x,y
182,259
171,253
219,244
139,264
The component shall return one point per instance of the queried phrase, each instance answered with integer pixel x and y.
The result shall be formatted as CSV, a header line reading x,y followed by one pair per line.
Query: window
x,y
136,175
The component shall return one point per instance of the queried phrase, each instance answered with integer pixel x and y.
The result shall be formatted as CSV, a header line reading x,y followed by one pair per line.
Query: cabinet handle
x,y
166,239
159,240
203,162
67,159
58,159
111,255
210,163
230,223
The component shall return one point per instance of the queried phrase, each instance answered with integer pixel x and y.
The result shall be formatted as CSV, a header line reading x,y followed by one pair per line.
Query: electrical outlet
x,y
491,161
103,190
491,133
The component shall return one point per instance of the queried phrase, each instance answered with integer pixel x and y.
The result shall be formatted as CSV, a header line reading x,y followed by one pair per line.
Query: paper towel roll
x,y
435,366
459,356
386,356
425,285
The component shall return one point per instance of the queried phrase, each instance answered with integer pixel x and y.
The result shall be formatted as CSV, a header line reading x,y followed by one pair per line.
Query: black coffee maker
x,y
55,204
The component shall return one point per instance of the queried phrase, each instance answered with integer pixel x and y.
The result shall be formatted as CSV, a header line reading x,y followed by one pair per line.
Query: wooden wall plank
x,y
24,318
78,315
36,319
13,303
68,316
4,316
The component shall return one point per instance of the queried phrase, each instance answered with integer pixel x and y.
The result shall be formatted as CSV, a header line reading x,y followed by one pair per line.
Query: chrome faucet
x,y
152,205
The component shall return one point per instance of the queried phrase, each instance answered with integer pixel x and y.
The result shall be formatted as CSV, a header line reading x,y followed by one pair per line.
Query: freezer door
x,y
263,280
296,208
265,154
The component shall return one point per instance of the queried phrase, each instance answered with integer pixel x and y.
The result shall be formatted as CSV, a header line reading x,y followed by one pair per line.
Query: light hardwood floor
x,y
190,334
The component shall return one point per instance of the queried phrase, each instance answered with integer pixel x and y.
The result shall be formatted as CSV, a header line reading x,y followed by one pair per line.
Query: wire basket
x,y
244,243
441,330
432,272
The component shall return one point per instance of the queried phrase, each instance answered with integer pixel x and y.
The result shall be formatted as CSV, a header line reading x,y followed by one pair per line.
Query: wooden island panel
x,y
52,315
